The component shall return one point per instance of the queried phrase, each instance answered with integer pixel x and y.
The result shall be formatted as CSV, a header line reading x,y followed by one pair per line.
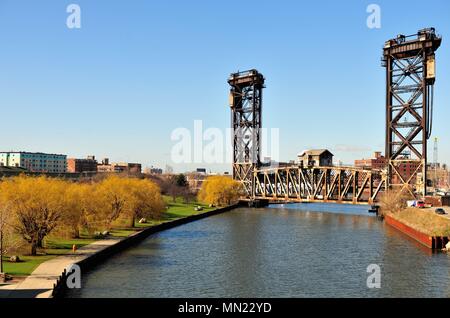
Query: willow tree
x,y
36,205
220,190
145,200
77,203
113,195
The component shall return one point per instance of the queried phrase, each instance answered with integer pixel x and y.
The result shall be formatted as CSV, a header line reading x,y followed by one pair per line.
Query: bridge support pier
x,y
258,203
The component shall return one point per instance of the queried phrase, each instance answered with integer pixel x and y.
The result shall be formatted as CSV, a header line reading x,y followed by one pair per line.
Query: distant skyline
x,y
137,70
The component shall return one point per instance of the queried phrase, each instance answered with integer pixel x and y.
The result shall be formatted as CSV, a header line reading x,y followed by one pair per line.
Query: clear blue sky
x,y
137,69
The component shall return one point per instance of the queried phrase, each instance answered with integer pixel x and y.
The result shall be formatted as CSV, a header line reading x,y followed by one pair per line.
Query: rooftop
x,y
33,153
314,152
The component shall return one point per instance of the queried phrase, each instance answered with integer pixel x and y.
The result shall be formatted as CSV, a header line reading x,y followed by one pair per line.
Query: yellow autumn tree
x,y
36,205
95,213
77,202
112,195
220,190
145,200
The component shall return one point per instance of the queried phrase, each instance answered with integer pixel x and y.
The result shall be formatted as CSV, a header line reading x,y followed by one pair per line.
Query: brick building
x,y
379,162
82,165
106,166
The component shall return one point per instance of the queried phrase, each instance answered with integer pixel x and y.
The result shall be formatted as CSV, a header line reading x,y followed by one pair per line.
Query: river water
x,y
283,251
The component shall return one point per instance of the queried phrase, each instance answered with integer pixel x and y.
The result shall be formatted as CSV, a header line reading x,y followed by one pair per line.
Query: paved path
x,y
40,283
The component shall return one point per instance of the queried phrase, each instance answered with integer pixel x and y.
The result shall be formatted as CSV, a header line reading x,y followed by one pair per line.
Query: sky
x,y
137,70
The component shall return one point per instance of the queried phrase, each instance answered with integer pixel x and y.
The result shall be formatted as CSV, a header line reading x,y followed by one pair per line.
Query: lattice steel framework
x,y
319,184
246,107
410,76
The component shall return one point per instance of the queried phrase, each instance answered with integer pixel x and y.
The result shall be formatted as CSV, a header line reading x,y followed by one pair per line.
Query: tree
x,y
76,203
220,190
393,201
5,232
36,205
175,186
181,181
145,201
112,195
94,211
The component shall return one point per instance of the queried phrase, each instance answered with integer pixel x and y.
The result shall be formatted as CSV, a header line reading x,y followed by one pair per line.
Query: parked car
x,y
440,211
420,204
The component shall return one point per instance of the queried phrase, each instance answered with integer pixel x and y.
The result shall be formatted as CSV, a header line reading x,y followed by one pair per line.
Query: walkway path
x,y
40,283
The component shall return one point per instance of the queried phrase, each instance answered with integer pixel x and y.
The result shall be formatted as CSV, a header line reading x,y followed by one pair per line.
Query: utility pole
x,y
435,161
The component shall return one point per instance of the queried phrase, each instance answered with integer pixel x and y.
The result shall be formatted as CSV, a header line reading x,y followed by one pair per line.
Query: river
x,y
307,250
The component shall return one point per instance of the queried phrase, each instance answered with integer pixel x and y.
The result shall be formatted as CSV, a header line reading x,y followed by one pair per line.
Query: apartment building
x,y
34,161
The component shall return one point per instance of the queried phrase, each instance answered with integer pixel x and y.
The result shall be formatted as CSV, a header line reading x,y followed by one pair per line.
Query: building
x,y
153,170
106,166
377,162
316,158
440,176
34,161
195,179
82,165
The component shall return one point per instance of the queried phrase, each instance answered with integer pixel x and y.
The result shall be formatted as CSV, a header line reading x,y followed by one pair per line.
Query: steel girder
x,y
409,79
319,184
246,110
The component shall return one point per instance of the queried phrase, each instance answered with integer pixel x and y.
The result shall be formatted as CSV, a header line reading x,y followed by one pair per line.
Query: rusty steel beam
x,y
319,184
246,109
410,76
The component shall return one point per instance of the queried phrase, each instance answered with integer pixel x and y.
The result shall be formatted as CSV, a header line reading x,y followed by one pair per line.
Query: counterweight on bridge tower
x,y
246,107
410,76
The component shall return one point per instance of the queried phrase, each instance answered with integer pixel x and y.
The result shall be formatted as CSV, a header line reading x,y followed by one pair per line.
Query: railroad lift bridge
x,y
410,76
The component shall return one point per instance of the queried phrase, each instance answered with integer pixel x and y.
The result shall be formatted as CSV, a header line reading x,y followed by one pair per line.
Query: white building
x,y
35,162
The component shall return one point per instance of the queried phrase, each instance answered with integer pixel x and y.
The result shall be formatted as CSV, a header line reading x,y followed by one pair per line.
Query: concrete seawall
x,y
91,260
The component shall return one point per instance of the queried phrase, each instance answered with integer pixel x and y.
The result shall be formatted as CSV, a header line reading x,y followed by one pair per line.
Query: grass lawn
x,y
27,265
54,247
179,209
58,246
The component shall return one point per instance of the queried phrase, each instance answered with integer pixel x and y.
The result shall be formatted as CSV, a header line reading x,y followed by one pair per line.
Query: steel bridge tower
x,y
246,109
410,76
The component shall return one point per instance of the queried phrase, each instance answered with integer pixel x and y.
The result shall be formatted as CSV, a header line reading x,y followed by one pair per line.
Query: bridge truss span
x,y
319,184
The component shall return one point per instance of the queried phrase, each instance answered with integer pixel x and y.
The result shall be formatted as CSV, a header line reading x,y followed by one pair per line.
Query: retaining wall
x,y
91,260
433,242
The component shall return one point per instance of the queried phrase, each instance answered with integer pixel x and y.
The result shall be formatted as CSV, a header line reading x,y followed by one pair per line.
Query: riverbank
x,y
40,282
57,246
423,225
